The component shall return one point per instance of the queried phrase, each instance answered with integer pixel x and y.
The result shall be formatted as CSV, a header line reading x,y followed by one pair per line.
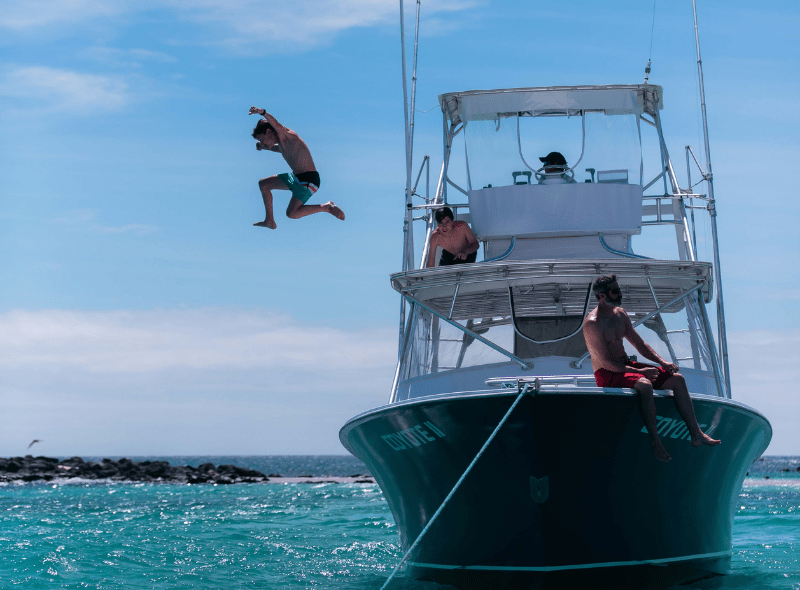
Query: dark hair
x,y
444,212
262,127
601,285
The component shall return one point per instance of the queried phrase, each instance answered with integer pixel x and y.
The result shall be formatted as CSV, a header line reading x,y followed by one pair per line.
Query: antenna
x,y
652,34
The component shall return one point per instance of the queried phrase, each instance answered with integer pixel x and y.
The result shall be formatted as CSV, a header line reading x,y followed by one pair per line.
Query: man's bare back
x,y
612,331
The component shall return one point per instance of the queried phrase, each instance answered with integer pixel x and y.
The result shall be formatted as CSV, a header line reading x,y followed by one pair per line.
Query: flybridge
x,y
546,235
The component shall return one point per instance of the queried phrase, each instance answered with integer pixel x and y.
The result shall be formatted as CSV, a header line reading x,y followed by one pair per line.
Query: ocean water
x,y
102,535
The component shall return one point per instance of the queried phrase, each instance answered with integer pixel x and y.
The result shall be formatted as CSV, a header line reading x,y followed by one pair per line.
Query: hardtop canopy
x,y
487,105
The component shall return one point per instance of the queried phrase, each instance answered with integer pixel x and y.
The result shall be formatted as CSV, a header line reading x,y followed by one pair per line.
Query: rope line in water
x,y
458,483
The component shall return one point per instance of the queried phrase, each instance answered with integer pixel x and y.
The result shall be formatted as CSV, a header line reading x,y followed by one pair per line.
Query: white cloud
x,y
86,219
203,339
63,90
764,376
278,26
137,228
133,58
762,359
253,25
179,381
23,14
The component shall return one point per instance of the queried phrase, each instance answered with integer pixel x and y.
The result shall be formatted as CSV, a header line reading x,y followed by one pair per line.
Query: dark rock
x,y
29,468
35,477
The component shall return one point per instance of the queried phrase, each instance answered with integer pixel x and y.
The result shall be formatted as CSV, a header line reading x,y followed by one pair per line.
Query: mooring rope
x,y
525,390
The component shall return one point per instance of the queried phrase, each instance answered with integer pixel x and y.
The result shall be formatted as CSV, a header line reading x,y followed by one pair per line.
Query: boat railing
x,y
562,384
667,209
542,383
661,206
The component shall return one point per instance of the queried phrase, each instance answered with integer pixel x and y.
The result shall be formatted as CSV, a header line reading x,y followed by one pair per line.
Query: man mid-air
x,y
302,181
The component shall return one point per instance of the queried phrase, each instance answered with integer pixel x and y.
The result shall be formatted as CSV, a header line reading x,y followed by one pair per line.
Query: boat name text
x,y
416,436
676,428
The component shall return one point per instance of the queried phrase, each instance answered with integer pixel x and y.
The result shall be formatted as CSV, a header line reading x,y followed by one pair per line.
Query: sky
x,y
142,314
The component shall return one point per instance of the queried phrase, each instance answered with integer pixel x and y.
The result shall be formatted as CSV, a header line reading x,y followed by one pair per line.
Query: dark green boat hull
x,y
569,488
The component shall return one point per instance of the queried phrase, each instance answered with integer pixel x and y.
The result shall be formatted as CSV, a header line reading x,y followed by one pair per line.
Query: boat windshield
x,y
506,151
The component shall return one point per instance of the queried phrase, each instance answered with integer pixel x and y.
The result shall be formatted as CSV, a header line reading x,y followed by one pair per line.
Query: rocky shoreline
x,y
31,469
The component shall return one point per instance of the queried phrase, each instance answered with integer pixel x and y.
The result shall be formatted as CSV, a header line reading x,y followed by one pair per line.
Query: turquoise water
x,y
291,536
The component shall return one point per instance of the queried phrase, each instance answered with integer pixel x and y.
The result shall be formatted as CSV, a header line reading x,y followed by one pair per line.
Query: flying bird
x,y
33,442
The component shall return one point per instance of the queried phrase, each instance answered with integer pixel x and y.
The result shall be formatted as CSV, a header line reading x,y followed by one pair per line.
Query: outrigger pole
x,y
709,177
408,235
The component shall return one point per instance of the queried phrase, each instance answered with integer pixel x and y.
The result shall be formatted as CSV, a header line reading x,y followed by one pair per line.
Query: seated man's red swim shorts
x,y
606,378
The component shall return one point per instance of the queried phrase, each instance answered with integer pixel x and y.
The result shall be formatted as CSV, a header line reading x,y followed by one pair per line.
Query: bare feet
x,y
703,439
334,210
270,224
661,453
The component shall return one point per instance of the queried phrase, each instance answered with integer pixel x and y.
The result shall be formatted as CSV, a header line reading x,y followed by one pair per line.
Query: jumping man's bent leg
x,y
683,403
267,185
297,209
647,406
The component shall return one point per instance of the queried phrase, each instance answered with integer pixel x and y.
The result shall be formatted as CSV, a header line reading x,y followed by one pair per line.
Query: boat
x,y
503,463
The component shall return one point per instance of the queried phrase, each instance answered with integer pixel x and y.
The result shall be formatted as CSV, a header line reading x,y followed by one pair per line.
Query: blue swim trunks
x,y
303,185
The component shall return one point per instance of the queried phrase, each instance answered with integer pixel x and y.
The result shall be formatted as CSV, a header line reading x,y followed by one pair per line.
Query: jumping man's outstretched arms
x,y
280,130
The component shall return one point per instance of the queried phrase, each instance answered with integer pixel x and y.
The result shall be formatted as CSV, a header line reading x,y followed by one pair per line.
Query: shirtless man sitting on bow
x,y
604,328
459,244
303,180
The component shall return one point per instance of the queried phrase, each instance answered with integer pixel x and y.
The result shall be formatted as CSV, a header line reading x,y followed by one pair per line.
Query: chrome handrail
x,y
619,252
505,254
